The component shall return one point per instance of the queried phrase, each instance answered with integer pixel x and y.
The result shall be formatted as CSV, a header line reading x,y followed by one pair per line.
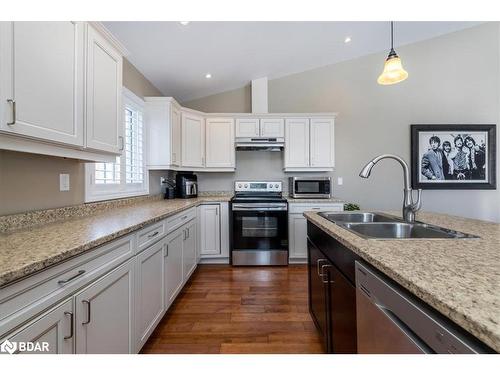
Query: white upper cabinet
x,y
297,143
193,140
104,115
163,119
272,127
247,128
175,120
42,80
309,144
322,143
220,143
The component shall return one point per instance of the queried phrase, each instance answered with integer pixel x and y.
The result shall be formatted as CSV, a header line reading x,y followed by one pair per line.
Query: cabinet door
x,y
317,292
322,143
175,121
210,229
298,235
220,143
54,331
189,249
41,79
297,143
247,128
342,308
149,291
272,127
104,120
104,314
173,265
193,140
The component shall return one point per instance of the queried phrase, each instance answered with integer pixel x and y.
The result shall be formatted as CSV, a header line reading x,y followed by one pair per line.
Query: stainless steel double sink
x,y
372,225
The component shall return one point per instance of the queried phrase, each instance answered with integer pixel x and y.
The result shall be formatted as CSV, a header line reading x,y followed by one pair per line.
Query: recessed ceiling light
x,y
184,23
208,76
347,39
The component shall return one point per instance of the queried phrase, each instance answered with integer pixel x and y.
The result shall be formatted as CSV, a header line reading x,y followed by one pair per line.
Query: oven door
x,y
261,233
303,188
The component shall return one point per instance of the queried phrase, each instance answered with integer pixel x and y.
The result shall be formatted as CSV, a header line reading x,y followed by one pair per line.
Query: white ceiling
x,y
175,58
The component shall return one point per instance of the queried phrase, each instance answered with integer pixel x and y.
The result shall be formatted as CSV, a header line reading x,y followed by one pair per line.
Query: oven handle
x,y
260,209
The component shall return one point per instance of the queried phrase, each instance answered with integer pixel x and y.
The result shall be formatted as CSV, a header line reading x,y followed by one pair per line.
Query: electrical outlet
x,y
340,181
64,182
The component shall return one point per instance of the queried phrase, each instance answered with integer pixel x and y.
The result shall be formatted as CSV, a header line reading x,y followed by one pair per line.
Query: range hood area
x,y
260,144
259,106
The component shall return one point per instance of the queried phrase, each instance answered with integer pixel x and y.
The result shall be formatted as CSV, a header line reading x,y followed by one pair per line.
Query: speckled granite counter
x,y
26,251
460,278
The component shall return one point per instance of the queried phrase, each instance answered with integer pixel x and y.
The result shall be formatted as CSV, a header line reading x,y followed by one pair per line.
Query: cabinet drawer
x,y
28,297
176,221
150,235
298,208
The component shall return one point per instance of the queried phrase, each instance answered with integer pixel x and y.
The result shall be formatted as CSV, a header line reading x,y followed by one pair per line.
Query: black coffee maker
x,y
186,185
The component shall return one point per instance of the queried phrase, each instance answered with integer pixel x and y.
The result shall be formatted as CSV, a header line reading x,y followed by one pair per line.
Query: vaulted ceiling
x,y
176,57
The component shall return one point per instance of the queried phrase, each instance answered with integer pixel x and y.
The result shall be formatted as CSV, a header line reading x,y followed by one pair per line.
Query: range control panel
x,y
258,186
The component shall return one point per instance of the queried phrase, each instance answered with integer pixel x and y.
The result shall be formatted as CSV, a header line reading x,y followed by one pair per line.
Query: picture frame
x,y
453,156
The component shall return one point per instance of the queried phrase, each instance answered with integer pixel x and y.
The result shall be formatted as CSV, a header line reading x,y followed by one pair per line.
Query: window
x,y
127,176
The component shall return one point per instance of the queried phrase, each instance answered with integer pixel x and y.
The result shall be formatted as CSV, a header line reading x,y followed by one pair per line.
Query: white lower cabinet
x,y
297,227
53,332
189,249
210,229
149,290
173,265
104,314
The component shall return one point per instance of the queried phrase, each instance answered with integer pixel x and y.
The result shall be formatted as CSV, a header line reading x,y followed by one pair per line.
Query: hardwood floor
x,y
226,309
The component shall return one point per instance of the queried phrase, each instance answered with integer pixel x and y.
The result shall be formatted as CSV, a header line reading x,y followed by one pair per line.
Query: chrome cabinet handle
x,y
87,302
183,234
318,266
153,234
63,282
166,251
184,217
71,327
324,273
13,103
217,211
122,143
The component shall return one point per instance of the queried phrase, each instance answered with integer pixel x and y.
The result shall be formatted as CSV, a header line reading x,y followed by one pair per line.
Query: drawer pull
x,y
63,282
184,217
87,302
153,234
319,265
71,327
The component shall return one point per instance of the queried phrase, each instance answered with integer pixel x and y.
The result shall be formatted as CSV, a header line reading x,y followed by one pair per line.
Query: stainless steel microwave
x,y
310,187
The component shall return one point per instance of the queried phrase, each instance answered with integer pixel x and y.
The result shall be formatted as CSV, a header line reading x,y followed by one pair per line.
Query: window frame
x,y
100,192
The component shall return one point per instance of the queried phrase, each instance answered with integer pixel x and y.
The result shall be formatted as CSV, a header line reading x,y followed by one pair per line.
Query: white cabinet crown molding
x,y
111,38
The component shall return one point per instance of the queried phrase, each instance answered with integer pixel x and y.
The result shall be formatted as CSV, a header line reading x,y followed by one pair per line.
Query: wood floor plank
x,y
225,309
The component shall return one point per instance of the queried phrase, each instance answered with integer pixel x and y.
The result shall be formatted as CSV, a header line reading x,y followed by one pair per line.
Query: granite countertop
x,y
460,278
28,250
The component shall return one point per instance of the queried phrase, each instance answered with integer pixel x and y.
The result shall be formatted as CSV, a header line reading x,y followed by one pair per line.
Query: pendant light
x,y
393,69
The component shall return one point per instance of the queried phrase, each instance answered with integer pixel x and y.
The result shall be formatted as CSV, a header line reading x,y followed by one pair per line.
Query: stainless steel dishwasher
x,y
390,320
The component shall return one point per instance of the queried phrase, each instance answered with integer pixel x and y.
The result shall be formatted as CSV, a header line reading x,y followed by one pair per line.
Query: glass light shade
x,y
393,71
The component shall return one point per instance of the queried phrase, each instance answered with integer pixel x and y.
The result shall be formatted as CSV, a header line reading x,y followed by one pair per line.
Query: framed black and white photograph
x,y
453,156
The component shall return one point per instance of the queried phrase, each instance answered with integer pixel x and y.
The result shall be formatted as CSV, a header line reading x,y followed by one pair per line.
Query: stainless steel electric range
x,y
259,225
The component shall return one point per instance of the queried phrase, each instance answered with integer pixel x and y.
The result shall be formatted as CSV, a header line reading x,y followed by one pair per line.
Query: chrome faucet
x,y
409,206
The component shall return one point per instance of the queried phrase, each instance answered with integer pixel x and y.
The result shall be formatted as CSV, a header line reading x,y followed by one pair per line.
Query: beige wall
x,y
452,79
31,182
239,100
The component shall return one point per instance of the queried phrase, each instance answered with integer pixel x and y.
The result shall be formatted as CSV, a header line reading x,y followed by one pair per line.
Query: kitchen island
x,y
460,278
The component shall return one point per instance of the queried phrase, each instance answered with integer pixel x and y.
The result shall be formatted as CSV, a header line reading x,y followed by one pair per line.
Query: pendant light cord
x,y
392,35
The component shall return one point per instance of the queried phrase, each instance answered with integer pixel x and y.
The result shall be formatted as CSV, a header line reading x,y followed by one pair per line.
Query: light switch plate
x,y
340,181
64,182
